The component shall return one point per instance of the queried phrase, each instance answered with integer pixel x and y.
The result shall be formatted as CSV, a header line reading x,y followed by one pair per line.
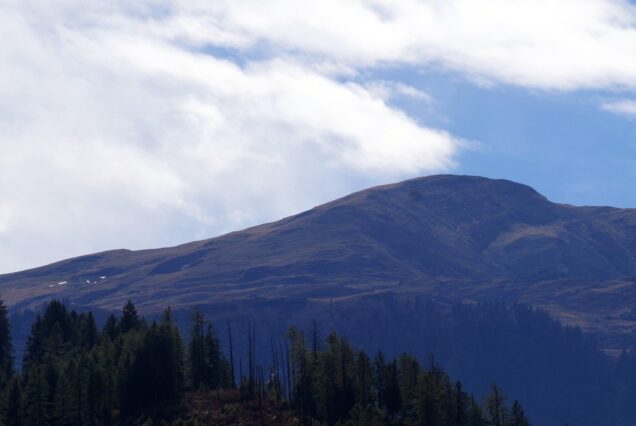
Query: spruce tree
x,y
6,348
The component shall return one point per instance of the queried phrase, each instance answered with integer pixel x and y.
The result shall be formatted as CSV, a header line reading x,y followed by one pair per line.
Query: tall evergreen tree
x,y
495,406
6,348
111,327
517,415
37,407
65,410
11,399
129,319
217,370
197,352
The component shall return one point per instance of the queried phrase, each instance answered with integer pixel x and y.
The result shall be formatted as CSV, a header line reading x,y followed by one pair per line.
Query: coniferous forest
x,y
132,371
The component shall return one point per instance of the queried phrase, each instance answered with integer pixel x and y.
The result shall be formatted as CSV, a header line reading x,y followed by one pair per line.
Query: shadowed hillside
x,y
450,238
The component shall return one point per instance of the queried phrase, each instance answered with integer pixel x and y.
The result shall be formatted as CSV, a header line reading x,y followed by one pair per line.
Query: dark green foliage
x,y
11,403
208,366
495,407
558,372
155,376
111,328
340,385
197,351
37,397
133,372
129,319
517,416
6,347
75,375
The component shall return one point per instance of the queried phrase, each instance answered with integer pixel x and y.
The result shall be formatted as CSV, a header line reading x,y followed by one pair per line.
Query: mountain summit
x,y
453,238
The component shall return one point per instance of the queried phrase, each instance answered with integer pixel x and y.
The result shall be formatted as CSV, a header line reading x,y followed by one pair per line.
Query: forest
x,y
134,371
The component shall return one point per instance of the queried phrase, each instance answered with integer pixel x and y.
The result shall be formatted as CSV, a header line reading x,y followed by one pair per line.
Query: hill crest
x,y
454,238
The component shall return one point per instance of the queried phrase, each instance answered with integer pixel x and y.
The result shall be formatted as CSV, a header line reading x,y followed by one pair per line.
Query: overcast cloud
x,y
134,124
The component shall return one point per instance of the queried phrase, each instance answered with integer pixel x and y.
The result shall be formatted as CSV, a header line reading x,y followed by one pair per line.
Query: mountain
x,y
449,238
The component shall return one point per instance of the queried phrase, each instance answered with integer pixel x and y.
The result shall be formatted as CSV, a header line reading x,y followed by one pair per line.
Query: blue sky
x,y
563,144
147,124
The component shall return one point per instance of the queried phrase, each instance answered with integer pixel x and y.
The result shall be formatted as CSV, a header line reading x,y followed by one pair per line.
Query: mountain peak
x,y
463,185
457,237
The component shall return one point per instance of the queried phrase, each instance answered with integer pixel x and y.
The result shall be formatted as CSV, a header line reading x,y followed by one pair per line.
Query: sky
x,y
152,123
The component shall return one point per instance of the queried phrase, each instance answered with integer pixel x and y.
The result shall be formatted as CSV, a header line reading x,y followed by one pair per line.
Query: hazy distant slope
x,y
450,237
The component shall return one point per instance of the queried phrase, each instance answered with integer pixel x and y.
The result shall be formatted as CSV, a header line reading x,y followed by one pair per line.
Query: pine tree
x,y
93,384
129,320
171,349
378,378
474,413
197,352
495,406
35,344
392,395
6,348
111,327
232,371
327,390
517,416
214,360
11,409
89,334
364,380
37,409
460,405
65,410
408,376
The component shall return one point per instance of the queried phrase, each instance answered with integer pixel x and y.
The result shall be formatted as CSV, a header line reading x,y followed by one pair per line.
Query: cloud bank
x,y
141,124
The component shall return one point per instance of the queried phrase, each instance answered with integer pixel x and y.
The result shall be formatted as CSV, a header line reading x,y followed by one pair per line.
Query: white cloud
x,y
392,89
625,107
545,44
147,123
118,129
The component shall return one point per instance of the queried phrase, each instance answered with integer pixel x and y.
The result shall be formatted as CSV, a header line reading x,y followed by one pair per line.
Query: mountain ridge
x,y
449,237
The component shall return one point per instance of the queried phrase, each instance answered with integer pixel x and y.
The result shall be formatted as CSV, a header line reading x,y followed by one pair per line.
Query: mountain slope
x,y
453,238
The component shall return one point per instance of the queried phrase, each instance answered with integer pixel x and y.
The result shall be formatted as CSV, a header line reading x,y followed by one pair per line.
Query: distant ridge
x,y
453,238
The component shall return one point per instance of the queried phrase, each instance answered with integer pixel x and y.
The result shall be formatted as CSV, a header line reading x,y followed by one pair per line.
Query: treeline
x,y
558,372
134,371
